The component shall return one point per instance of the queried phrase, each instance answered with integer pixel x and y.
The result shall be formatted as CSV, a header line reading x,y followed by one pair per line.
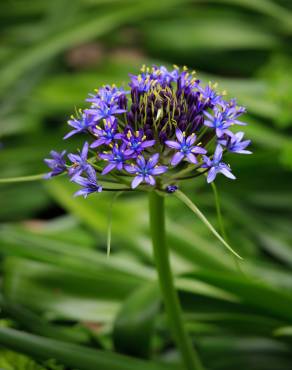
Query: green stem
x,y
22,179
169,294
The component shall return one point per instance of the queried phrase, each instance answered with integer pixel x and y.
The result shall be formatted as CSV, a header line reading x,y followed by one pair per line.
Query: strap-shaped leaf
x,y
109,226
182,197
134,324
73,355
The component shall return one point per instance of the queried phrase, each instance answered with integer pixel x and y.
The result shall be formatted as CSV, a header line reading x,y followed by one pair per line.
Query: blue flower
x,y
218,122
81,124
89,184
107,94
235,144
225,115
145,170
168,112
185,148
106,135
57,163
136,141
210,95
142,82
116,158
79,162
187,80
101,110
216,166
164,76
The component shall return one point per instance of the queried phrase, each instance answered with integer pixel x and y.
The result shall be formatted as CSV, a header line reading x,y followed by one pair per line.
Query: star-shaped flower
x,y
235,144
136,141
116,158
79,163
57,163
185,148
145,170
81,124
216,166
89,184
106,135
101,110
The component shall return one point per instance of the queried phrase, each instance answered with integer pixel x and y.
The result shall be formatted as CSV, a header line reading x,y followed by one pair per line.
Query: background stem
x,y
169,294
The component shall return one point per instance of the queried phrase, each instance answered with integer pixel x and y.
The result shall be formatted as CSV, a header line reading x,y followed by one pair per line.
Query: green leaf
x,y
93,26
183,198
134,324
284,331
252,292
30,321
72,355
66,293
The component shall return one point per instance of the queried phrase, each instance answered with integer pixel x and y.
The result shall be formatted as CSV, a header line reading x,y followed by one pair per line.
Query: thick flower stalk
x,y
164,127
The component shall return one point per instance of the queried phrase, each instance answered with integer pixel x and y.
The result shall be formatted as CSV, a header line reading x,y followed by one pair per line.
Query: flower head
x,y
166,115
79,124
224,117
216,165
79,163
107,134
185,148
57,163
141,83
89,184
210,95
107,94
235,144
145,170
136,141
102,110
116,158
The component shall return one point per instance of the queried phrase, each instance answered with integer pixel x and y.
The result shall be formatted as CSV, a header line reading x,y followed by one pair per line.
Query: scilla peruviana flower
x,y
165,125
166,128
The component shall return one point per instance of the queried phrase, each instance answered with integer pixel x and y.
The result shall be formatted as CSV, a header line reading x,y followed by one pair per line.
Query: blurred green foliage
x,y
56,282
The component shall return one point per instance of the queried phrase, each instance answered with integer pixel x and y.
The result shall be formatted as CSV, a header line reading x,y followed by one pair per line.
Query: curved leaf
x,y
134,324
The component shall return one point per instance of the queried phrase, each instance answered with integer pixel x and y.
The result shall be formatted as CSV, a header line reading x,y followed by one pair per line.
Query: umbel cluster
x,y
165,127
